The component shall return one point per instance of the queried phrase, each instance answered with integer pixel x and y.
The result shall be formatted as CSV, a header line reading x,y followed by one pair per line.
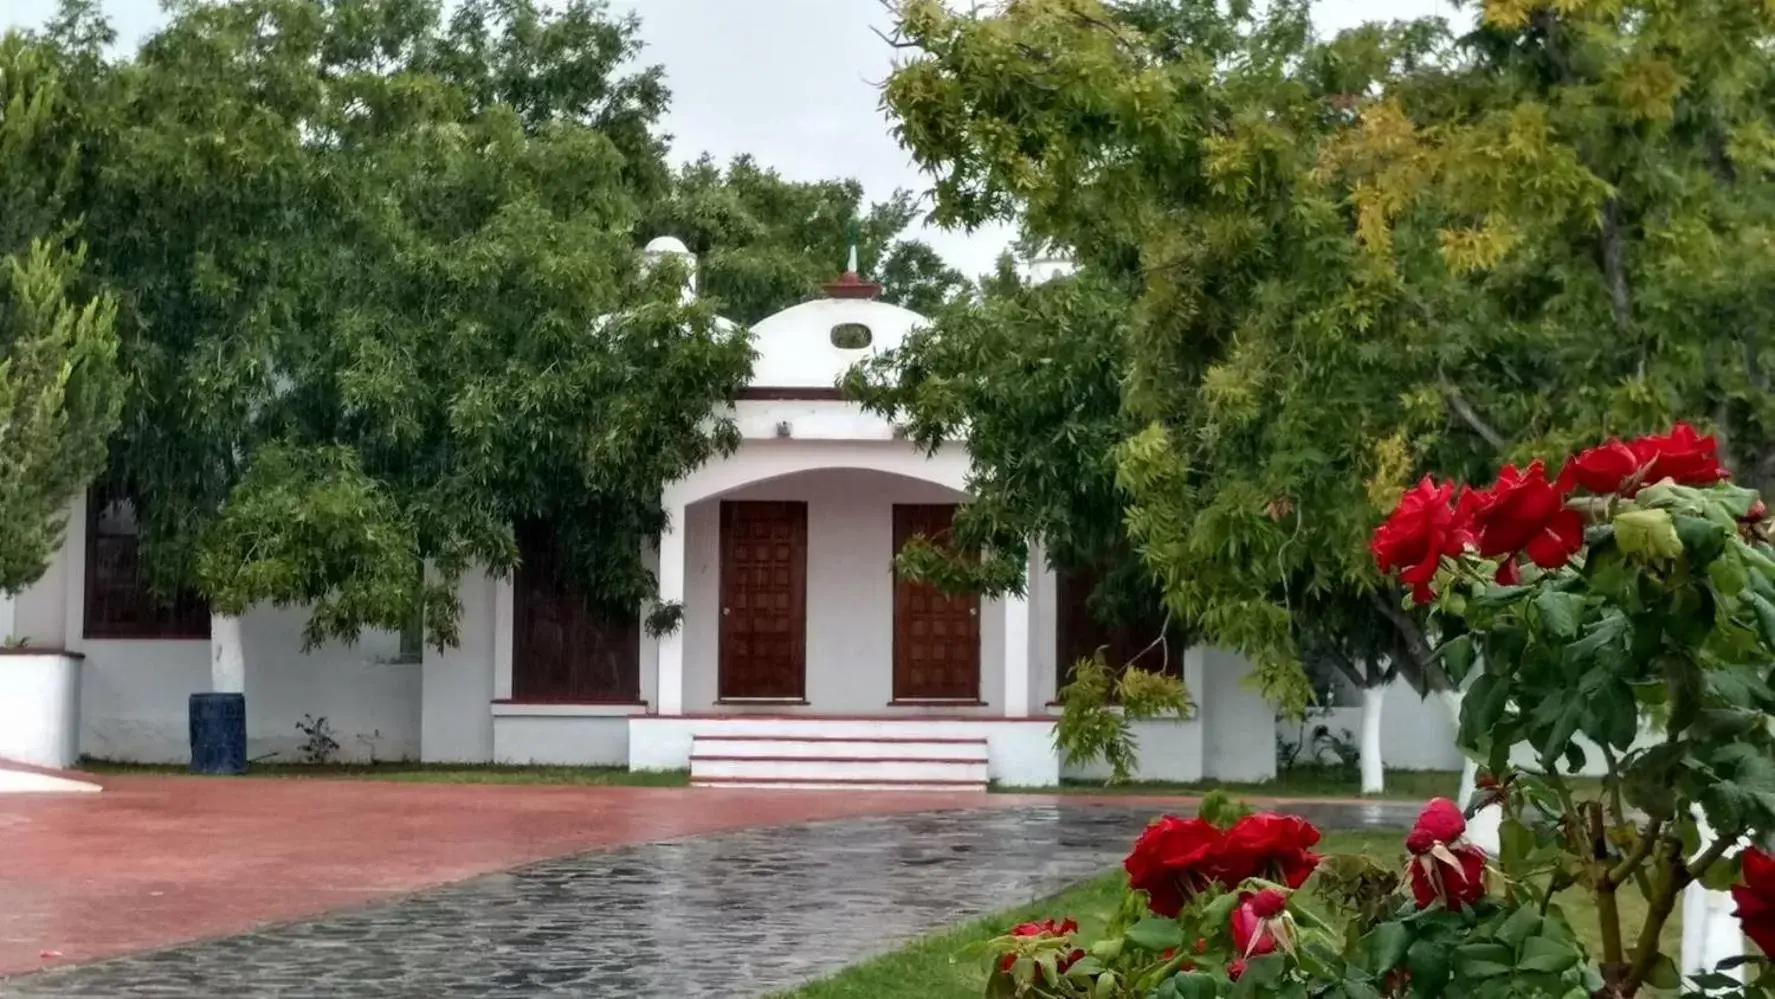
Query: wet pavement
x,y
732,914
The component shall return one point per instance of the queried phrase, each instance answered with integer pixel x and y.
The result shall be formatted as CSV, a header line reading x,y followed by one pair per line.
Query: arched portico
x,y
831,514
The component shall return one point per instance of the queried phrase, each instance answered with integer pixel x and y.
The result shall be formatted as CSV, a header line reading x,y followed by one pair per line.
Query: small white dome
x,y
666,244
812,345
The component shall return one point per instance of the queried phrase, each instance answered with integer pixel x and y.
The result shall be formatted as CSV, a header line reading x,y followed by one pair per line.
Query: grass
x,y
1300,782
427,773
948,965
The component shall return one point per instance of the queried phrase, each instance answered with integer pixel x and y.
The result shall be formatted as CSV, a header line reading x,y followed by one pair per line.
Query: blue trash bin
x,y
218,733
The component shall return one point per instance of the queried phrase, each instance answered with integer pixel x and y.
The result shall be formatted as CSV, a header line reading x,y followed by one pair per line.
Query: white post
x,y
1710,933
671,589
1485,829
1017,650
1374,780
228,663
9,618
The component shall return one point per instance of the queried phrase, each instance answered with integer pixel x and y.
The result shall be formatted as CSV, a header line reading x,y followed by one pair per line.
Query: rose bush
x,y
1617,618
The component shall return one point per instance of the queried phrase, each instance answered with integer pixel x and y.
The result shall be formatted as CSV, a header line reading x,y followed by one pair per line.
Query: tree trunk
x,y
1374,779
228,664
1710,933
1484,827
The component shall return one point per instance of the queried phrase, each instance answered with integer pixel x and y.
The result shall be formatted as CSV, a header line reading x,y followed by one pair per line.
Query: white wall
x,y
1416,732
1239,726
457,689
134,693
850,595
561,735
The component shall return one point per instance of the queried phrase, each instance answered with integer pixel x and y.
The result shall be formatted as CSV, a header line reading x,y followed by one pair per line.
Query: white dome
x,y
800,347
665,244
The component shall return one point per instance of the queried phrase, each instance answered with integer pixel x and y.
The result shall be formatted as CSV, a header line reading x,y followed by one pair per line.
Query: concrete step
x,y
846,785
768,759
840,747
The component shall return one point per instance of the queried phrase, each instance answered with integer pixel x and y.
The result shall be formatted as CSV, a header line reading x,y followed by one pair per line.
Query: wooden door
x,y
936,637
1078,634
565,648
763,637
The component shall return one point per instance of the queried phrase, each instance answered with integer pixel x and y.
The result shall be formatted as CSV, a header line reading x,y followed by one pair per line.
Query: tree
x,y
382,306
1369,257
764,243
59,388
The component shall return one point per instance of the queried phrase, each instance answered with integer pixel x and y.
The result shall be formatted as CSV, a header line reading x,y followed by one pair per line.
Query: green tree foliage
x,y
764,243
1362,258
381,301
59,388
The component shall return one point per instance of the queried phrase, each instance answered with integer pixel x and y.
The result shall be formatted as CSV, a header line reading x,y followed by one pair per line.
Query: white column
x,y
671,590
228,663
9,617
1017,650
1710,933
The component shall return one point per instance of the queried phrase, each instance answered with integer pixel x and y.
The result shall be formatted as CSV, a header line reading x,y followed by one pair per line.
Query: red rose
x,y
1683,456
1444,866
1170,861
1269,846
1235,969
1429,523
1604,469
1441,821
1756,899
1523,512
1045,928
1254,922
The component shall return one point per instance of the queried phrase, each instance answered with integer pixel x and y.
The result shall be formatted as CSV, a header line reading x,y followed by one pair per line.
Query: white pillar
x,y
1373,767
1710,933
671,590
9,618
1017,650
228,663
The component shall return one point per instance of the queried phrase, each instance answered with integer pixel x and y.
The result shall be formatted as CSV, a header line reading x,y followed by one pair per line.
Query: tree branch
x,y
1413,636
1458,403
1614,264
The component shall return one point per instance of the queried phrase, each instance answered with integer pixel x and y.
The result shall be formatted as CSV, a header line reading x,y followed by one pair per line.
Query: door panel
x,y
564,648
936,637
763,634
1078,635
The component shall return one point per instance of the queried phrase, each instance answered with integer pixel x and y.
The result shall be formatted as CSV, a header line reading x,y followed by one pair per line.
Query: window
x,y
851,336
118,601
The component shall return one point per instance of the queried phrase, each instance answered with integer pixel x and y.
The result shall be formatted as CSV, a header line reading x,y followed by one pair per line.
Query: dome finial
x,y
851,283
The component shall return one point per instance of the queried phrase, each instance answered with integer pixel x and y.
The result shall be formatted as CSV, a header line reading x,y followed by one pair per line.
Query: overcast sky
x,y
793,82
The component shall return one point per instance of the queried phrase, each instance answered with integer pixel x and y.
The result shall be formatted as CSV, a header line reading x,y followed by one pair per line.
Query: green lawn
x,y
1301,782
431,773
948,965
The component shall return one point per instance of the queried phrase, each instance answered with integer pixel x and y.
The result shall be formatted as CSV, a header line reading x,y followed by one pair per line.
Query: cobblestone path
x,y
731,915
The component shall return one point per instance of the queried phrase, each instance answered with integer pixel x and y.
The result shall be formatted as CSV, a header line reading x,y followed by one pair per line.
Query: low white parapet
x,y
40,707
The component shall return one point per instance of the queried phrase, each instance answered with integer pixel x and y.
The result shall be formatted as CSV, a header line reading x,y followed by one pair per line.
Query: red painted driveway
x,y
154,861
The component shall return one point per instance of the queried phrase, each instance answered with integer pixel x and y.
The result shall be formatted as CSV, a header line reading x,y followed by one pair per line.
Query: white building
x,y
800,658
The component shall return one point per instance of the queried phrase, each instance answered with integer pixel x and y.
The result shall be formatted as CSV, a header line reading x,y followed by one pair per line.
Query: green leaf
x,y
1516,841
1155,933
1604,632
1484,960
1649,535
1560,612
1261,973
1549,956
1522,924
1196,985
1457,657
1428,963
1703,539
1765,615
1384,947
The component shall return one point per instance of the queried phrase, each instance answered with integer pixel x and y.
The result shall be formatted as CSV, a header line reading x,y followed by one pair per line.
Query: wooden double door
x,y
565,647
936,636
763,629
